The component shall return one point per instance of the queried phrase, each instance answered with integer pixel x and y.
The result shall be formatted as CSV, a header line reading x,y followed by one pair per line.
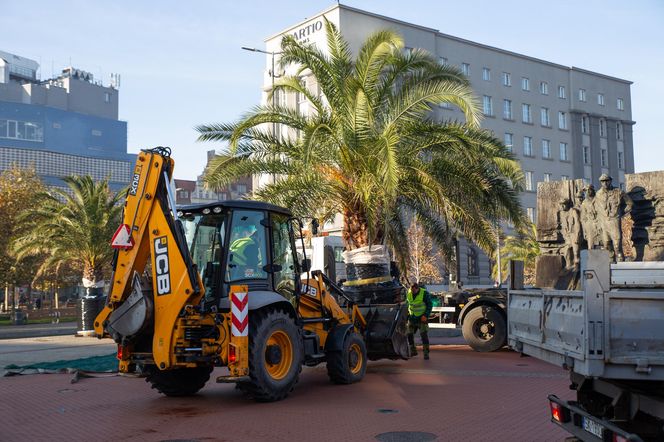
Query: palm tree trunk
x,y
356,233
356,230
92,276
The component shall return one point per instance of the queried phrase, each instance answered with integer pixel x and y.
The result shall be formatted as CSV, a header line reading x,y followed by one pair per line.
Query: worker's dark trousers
x,y
424,334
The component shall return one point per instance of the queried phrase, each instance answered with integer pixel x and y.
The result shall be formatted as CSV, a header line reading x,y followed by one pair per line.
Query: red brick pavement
x,y
458,395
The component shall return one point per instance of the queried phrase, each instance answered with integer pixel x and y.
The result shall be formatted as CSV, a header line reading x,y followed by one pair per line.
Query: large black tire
x,y
350,364
484,329
179,381
275,356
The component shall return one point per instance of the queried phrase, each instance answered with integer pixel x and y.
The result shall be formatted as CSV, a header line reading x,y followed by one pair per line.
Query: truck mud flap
x,y
386,331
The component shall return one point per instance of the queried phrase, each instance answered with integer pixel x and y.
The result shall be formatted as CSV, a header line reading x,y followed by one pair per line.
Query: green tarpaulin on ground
x,y
107,363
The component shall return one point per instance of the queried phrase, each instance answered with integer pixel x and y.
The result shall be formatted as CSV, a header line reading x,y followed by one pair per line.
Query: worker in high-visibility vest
x,y
419,309
245,258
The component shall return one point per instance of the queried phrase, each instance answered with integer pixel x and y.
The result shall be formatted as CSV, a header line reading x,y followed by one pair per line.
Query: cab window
x,y
205,238
284,263
246,251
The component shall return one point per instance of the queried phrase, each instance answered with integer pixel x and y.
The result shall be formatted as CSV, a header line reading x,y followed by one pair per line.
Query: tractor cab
x,y
242,243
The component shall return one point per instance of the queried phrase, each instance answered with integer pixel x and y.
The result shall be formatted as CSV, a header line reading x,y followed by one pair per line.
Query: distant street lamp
x,y
272,77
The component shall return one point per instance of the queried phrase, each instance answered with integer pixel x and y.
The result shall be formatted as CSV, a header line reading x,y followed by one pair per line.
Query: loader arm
x,y
156,238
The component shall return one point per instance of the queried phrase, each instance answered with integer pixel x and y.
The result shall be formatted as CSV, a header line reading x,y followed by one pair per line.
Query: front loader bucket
x,y
386,331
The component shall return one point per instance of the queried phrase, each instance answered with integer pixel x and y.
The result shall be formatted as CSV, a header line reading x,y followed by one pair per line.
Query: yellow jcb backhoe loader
x,y
219,285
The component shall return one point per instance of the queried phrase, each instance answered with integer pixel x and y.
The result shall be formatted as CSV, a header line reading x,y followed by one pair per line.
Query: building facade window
x,y
561,92
585,124
486,74
507,109
530,211
487,105
465,68
525,84
547,177
473,262
528,146
621,160
62,165
96,132
107,97
619,131
600,99
544,117
442,60
526,117
563,152
562,120
21,130
546,149
586,155
507,79
602,128
582,95
544,88
564,177
530,184
603,158
620,104
509,140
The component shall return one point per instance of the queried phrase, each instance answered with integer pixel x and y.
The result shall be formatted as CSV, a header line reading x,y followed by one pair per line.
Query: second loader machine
x,y
219,285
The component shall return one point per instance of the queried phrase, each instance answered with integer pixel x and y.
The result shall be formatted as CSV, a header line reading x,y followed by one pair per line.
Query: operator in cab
x,y
245,254
419,309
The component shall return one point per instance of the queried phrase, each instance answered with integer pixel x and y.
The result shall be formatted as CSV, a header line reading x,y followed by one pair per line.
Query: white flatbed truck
x,y
610,337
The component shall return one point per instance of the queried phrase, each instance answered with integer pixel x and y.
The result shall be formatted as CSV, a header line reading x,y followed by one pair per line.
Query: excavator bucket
x,y
386,331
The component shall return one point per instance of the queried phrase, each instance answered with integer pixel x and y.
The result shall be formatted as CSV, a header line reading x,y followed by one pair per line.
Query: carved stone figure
x,y
589,222
609,204
569,220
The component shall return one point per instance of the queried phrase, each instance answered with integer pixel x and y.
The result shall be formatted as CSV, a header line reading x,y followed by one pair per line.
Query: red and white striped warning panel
x,y
239,313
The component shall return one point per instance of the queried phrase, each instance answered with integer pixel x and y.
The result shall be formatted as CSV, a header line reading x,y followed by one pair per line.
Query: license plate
x,y
593,427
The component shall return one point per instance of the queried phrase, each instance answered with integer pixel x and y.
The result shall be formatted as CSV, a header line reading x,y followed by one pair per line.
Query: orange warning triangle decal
x,y
122,238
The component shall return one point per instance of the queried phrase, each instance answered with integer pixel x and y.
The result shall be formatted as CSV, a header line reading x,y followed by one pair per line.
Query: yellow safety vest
x,y
416,306
238,248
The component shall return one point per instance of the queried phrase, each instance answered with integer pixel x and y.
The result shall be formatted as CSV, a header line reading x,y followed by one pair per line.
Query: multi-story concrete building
x,y
193,192
61,126
561,122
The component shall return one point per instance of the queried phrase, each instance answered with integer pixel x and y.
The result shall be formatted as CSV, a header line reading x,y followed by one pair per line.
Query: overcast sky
x,y
181,62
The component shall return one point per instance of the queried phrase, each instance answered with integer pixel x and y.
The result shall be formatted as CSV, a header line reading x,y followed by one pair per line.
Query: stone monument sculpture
x,y
630,225
611,204
569,220
590,225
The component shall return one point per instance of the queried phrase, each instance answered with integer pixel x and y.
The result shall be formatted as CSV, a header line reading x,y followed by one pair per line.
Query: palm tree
x,y
72,227
370,149
521,247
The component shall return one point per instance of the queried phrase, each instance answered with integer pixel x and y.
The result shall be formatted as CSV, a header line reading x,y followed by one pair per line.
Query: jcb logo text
x,y
161,266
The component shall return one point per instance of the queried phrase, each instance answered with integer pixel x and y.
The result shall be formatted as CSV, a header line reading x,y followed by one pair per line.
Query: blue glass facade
x,y
71,143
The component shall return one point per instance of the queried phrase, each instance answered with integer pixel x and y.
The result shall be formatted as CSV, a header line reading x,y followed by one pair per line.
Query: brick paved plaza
x,y
459,395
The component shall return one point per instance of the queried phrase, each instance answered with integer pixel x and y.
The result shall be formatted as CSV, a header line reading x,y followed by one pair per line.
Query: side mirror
x,y
306,264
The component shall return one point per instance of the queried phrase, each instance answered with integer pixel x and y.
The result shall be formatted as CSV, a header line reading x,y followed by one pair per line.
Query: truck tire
x,y
180,381
275,356
484,329
350,364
